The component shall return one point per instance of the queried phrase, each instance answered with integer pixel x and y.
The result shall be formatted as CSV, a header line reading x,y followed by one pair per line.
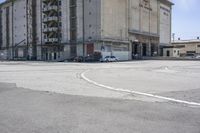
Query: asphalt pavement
x,y
27,111
41,97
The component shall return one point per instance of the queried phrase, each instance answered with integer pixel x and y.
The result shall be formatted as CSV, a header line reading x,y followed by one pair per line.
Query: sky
x,y
185,19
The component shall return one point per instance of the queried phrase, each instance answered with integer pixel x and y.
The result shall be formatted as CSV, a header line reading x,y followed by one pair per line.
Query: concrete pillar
x,y
141,50
149,49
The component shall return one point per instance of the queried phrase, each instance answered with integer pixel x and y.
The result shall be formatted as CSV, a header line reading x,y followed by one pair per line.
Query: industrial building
x,y
56,30
183,48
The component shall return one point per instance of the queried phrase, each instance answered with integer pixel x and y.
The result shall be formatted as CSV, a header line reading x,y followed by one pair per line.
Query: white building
x,y
55,30
171,51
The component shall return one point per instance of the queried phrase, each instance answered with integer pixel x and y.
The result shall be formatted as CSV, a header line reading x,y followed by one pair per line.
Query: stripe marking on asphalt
x,y
137,92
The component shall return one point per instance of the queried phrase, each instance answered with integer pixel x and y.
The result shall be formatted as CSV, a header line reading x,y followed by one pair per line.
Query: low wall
x,y
3,55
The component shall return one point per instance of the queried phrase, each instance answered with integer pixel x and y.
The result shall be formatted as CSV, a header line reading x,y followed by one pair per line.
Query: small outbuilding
x,y
171,51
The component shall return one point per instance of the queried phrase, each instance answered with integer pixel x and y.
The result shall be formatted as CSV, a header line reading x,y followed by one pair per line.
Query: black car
x,y
78,59
95,57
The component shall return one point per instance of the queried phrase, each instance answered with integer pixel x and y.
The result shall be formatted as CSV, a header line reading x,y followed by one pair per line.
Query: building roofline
x,y
3,3
6,2
167,1
174,47
186,41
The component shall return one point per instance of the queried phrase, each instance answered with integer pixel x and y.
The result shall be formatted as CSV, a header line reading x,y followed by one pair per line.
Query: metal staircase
x,y
51,20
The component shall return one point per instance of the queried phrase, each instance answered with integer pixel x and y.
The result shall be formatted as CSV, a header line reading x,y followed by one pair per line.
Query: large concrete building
x,y
57,30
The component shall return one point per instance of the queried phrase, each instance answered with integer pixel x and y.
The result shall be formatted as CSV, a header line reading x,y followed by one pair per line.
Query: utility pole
x,y
83,30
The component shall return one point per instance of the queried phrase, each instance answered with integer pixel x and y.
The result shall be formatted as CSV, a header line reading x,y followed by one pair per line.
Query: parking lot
x,y
163,96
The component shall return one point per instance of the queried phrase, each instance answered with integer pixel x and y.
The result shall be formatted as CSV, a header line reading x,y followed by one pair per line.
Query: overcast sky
x,y
186,19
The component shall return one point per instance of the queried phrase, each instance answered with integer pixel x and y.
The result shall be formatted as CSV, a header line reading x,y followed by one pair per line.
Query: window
x,y
60,3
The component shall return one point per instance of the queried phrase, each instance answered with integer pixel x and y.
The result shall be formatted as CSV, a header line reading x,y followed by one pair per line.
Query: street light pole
x,y
83,30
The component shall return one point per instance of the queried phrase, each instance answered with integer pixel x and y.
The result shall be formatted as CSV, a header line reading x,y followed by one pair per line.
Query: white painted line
x,y
136,92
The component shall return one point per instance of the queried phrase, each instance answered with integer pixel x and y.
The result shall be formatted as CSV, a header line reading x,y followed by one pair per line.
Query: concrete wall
x,y
114,19
79,20
20,22
17,25
198,49
39,22
3,54
92,19
188,47
121,55
4,24
134,20
143,16
165,24
65,21
4,41
174,52
154,16
145,23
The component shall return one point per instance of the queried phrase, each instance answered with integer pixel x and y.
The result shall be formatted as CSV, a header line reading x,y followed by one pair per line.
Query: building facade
x,y
182,48
171,51
60,29
188,47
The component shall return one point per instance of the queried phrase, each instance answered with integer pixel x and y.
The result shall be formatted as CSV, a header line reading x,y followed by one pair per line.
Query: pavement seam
x,y
137,92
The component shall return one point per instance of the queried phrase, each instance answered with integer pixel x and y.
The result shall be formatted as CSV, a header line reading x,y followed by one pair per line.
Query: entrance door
x,y
168,53
135,50
73,50
144,50
55,55
152,49
90,49
46,56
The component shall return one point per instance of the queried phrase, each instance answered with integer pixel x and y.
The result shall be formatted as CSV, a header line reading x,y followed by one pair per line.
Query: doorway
x,y
168,53
144,49
135,50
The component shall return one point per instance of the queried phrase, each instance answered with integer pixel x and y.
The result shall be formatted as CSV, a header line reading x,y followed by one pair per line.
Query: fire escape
x,y
51,26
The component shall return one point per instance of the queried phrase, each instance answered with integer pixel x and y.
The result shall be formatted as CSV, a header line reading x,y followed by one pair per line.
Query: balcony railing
x,y
48,1
50,29
51,40
50,8
49,19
